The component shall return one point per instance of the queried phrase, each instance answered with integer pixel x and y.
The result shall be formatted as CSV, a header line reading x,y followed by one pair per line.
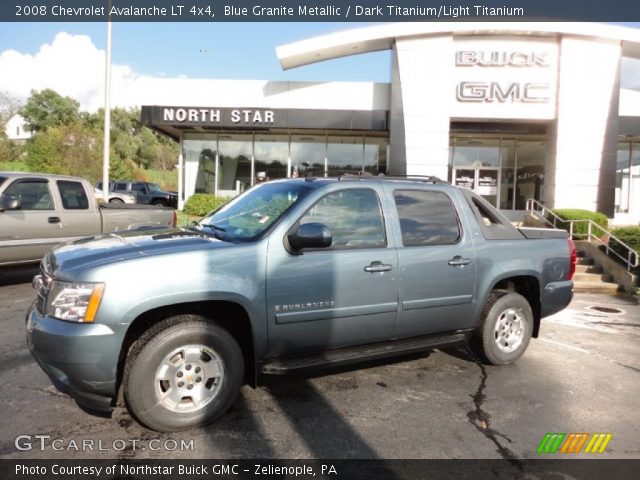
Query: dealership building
x,y
511,110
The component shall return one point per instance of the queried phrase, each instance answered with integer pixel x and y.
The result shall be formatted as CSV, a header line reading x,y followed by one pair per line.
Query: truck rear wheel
x,y
505,328
183,373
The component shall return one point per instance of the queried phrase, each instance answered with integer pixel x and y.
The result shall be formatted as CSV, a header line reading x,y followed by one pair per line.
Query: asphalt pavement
x,y
581,375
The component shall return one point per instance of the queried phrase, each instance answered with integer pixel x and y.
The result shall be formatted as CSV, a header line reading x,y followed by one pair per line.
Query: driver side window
x,y
33,193
353,216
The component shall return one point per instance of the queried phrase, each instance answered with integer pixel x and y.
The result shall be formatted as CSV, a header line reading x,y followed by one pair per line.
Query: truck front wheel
x,y
505,328
183,373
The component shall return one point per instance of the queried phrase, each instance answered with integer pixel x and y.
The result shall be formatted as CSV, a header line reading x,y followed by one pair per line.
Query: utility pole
x,y
107,113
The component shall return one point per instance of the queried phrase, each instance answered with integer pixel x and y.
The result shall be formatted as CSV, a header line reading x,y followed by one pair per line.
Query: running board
x,y
372,351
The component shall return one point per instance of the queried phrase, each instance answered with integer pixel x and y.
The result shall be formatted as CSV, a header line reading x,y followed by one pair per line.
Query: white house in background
x,y
16,129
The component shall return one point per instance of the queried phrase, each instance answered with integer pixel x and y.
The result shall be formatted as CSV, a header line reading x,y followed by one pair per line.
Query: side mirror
x,y
310,235
9,202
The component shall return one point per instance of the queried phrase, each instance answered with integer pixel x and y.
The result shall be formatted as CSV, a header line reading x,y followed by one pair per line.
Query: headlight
x,y
74,302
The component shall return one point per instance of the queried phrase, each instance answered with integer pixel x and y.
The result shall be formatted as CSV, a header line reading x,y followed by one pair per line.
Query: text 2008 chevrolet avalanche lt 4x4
x,y
291,275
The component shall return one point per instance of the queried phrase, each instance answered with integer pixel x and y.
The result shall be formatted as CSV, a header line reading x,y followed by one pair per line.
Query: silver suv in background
x,y
115,197
144,192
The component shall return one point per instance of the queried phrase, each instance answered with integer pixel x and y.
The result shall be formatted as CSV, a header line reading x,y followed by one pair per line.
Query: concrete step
x,y
588,269
584,261
594,287
592,277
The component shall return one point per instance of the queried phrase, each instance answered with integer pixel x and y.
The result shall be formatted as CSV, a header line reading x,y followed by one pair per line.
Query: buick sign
x,y
470,58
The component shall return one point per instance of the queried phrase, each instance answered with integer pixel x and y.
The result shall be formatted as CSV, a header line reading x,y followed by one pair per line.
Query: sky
x,y
69,57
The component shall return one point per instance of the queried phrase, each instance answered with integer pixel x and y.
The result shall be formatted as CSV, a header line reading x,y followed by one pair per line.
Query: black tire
x,y
143,392
492,346
159,203
115,200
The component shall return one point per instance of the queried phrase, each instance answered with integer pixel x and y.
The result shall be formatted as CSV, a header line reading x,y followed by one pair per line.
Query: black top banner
x,y
316,11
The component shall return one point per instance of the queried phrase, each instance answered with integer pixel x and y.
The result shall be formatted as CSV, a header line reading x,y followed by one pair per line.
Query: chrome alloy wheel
x,y
189,378
509,331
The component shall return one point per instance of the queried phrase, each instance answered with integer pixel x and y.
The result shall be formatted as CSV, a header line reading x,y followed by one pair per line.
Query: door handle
x,y
376,267
54,219
458,261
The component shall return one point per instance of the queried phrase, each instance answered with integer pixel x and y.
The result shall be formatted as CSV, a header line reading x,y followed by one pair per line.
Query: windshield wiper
x,y
215,230
213,226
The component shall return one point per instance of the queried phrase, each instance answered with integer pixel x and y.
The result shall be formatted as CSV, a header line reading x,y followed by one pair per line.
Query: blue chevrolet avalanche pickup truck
x,y
291,275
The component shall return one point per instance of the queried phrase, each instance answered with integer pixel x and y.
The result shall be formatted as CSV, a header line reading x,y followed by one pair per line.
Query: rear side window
x,y
33,193
120,186
2,179
73,195
426,218
353,216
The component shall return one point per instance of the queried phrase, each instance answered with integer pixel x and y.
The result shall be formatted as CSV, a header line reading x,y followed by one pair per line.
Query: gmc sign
x,y
495,92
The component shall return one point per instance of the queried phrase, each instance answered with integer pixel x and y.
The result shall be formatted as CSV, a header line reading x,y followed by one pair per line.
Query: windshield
x,y
249,215
153,187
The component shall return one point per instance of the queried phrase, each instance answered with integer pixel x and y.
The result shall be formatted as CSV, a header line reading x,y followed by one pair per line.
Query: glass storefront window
x,y
271,155
623,167
308,154
476,152
530,160
234,162
508,171
627,176
375,155
199,154
344,155
228,163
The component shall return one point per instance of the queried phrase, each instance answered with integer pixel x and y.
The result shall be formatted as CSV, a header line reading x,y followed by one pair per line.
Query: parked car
x,y
115,197
292,275
144,192
39,211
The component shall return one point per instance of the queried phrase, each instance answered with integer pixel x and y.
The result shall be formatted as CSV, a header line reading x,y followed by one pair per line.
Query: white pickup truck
x,y
39,211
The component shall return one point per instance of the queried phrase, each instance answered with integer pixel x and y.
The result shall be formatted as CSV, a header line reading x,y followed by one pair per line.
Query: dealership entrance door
x,y
484,181
507,170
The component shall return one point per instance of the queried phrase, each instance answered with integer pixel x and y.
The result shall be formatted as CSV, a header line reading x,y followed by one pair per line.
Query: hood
x,y
126,245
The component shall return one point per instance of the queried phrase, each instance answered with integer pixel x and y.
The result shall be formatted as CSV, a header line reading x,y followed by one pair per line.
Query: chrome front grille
x,y
41,284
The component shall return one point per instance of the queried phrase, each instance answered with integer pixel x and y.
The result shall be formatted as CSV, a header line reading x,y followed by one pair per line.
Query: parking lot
x,y
581,375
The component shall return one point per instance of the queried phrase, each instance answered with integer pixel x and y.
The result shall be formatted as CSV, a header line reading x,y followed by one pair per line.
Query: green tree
x,y
66,149
47,108
121,169
74,149
135,143
9,151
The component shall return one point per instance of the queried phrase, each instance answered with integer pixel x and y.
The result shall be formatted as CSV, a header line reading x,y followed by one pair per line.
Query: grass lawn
x,y
184,219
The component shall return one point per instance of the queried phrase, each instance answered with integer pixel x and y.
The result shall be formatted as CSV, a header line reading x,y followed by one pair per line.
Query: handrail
x,y
600,233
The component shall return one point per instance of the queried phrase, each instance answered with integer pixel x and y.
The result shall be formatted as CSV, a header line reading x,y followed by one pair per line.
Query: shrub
x,y
630,236
577,214
202,203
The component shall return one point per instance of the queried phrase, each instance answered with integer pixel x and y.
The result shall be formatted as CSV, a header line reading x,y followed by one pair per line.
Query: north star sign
x,y
208,116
